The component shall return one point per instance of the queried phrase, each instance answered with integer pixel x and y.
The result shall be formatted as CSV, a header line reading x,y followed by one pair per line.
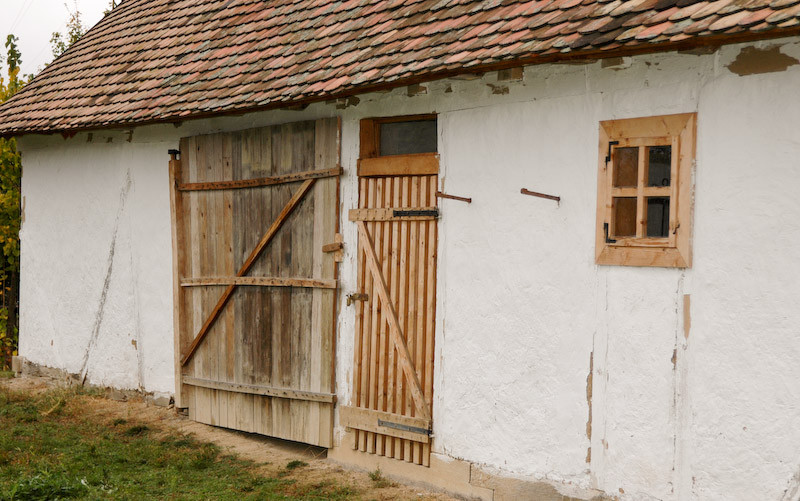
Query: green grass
x,y
6,374
50,449
378,480
292,465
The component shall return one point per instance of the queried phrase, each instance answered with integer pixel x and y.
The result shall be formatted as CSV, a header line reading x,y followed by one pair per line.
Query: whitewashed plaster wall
x,y
523,312
96,263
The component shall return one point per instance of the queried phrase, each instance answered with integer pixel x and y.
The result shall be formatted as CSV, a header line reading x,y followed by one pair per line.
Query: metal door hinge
x,y
358,296
608,156
608,240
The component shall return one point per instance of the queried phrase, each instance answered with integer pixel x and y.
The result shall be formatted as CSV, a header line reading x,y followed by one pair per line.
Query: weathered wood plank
x,y
293,177
406,165
385,424
257,302
375,304
387,214
281,256
303,145
178,270
430,316
333,247
269,391
410,334
357,349
202,367
369,199
242,409
326,228
385,344
216,257
194,300
405,233
260,281
228,343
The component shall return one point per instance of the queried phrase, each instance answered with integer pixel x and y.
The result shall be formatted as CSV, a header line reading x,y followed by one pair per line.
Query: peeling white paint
x,y
520,303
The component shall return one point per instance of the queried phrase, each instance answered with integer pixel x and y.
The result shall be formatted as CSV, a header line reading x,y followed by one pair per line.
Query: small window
x,y
644,191
399,146
407,138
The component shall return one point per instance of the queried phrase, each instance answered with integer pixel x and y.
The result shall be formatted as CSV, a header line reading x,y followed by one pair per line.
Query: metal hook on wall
x,y
439,194
540,195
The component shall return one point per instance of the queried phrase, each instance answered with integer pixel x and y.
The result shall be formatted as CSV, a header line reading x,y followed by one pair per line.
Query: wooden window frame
x,y
675,251
371,163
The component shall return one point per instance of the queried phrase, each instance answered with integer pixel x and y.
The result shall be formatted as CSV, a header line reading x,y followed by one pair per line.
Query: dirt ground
x,y
271,455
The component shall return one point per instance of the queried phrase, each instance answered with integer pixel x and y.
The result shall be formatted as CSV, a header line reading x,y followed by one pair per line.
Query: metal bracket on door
x,y
403,427
415,213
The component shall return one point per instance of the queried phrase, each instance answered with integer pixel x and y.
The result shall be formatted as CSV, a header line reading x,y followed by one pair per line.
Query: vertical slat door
x,y
395,317
255,298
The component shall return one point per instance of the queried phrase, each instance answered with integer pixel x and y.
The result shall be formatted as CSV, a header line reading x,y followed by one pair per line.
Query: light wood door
x,y
254,288
395,317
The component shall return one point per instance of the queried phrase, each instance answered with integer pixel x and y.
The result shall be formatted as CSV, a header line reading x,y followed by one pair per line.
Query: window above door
x,y
399,146
644,191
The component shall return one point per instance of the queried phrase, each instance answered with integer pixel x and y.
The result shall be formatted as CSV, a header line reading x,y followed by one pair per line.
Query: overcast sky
x,y
34,21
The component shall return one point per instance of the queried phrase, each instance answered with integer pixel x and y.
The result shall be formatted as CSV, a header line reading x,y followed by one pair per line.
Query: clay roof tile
x,y
163,60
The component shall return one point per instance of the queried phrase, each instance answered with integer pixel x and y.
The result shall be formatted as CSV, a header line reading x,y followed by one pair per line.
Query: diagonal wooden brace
x,y
394,325
259,248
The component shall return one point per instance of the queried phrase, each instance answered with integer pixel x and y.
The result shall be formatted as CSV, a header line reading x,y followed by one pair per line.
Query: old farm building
x,y
514,250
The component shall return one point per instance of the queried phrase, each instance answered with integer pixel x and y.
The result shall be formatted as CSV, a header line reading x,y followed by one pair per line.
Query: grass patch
x,y
47,485
6,374
292,465
136,430
378,480
50,448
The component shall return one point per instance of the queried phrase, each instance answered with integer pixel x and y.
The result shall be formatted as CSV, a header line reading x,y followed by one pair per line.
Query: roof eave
x,y
709,42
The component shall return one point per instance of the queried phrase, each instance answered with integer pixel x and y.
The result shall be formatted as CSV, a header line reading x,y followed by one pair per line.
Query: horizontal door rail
x,y
395,214
312,283
262,181
267,391
385,423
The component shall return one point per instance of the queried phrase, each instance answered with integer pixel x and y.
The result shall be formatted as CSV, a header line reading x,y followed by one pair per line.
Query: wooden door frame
x,y
403,429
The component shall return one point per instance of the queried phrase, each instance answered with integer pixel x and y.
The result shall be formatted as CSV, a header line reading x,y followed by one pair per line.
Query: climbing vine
x,y
10,174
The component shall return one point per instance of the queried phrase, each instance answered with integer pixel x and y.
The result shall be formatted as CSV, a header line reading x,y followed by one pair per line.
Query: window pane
x,y
659,165
626,166
624,216
403,138
658,217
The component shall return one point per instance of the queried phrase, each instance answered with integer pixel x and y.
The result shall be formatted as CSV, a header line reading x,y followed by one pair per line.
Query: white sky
x,y
34,21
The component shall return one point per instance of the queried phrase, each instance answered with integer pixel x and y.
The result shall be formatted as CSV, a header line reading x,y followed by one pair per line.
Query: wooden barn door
x,y
395,317
254,213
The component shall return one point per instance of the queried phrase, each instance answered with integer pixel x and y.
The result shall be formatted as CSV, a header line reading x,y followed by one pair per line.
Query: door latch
x,y
358,296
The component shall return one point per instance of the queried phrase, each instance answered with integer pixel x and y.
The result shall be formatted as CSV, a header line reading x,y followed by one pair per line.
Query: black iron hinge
x,y
608,240
608,155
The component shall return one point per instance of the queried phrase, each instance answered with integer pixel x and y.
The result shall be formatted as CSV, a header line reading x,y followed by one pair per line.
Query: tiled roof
x,y
169,60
